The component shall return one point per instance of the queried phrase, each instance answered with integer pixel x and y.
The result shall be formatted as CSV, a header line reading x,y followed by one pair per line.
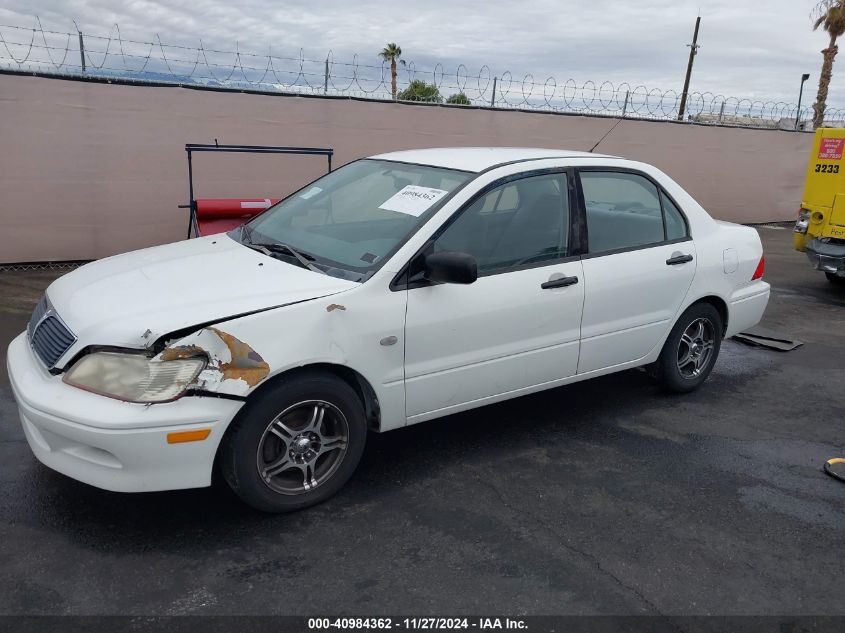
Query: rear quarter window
x,y
676,226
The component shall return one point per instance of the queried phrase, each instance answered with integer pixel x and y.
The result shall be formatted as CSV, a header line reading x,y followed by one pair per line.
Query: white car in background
x,y
396,289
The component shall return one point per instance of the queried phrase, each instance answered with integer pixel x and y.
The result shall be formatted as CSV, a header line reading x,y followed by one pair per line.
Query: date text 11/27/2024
x,y
423,623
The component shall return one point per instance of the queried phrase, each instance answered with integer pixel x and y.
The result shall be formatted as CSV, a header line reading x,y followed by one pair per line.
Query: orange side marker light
x,y
188,436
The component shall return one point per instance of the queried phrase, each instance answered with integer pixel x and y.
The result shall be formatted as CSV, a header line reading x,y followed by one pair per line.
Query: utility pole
x,y
693,49
81,51
804,78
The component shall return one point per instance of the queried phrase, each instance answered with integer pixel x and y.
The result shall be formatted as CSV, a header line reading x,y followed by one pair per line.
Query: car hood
x,y
133,299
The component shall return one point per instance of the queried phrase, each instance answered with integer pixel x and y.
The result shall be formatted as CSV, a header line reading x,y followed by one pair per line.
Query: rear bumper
x,y
826,256
110,444
746,307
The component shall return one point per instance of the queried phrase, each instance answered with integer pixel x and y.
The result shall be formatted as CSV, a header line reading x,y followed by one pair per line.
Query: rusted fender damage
x,y
233,366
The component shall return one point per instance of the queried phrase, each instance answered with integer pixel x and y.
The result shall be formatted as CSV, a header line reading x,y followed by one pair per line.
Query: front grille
x,y
37,315
49,337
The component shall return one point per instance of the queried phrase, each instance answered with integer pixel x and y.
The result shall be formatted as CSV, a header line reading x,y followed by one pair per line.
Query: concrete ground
x,y
605,497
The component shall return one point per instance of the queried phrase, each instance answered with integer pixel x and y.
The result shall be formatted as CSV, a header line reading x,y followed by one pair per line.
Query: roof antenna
x,y
215,143
618,121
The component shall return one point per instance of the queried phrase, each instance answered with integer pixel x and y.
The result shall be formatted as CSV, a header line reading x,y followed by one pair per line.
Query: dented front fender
x,y
233,368
361,330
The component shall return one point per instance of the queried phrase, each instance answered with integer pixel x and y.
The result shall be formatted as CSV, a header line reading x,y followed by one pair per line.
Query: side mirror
x,y
450,267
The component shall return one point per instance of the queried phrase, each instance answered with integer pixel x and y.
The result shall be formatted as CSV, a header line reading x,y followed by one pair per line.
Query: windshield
x,y
356,217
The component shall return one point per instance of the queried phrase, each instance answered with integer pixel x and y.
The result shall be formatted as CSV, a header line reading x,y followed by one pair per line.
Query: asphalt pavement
x,y
603,497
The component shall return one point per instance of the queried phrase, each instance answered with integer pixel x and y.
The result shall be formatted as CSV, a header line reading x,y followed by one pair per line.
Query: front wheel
x,y
295,444
691,349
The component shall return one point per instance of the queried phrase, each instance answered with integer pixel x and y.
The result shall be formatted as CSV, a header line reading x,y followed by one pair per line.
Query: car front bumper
x,y
827,256
111,444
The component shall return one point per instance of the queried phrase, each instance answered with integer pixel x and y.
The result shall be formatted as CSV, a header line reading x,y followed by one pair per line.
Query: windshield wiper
x,y
269,248
279,248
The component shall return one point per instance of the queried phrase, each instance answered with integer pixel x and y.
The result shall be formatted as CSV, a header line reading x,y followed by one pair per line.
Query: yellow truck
x,y
820,229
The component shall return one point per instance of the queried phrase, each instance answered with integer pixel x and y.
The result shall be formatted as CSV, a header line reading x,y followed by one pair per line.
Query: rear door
x,y
639,265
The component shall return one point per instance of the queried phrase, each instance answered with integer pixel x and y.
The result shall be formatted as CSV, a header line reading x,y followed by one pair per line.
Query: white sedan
x,y
396,289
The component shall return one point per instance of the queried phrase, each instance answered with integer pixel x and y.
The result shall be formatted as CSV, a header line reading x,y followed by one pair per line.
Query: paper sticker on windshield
x,y
413,200
313,191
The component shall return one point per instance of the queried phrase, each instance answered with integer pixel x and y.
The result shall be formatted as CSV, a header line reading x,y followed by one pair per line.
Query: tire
x,y
836,280
295,444
691,350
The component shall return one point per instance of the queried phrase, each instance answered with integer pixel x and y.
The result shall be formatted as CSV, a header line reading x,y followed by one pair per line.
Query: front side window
x,y
355,217
525,221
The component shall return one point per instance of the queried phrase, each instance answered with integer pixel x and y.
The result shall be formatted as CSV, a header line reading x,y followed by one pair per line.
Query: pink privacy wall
x,y
92,169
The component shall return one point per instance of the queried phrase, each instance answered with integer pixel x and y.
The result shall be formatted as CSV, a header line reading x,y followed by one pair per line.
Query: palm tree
x,y
391,53
830,15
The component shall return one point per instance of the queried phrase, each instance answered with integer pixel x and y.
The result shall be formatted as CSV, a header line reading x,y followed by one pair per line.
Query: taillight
x,y
758,272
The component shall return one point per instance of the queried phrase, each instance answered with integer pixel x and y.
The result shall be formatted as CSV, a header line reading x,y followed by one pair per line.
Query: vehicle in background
x,y
820,229
394,290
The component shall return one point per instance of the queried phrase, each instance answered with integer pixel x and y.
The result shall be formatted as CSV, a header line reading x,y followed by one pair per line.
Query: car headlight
x,y
133,377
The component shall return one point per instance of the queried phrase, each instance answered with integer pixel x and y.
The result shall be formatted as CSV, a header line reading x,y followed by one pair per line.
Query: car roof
x,y
478,159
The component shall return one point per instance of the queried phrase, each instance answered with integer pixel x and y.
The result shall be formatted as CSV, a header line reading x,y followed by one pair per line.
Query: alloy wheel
x,y
696,347
302,447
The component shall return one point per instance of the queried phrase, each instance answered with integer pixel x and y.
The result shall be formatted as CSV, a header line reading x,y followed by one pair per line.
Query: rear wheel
x,y
296,444
835,279
691,349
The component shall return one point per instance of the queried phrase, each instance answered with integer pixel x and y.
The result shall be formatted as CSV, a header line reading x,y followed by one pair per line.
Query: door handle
x,y
559,283
678,259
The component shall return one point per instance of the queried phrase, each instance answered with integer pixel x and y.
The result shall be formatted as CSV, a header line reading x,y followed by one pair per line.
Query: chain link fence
x,y
41,266
38,50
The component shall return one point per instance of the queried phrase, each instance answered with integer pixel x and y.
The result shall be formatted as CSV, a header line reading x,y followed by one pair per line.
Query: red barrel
x,y
212,208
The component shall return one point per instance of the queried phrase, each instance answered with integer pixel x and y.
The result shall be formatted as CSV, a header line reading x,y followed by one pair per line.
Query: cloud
x,y
745,51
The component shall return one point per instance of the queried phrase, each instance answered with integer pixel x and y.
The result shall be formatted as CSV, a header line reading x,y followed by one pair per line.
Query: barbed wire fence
x,y
39,50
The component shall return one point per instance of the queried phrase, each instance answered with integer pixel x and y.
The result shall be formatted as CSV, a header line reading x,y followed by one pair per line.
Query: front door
x,y
518,325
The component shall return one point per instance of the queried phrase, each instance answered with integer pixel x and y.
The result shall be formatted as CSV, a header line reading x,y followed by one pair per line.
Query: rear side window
x,y
627,211
623,211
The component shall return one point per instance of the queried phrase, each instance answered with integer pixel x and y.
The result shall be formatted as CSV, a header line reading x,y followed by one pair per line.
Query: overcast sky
x,y
748,48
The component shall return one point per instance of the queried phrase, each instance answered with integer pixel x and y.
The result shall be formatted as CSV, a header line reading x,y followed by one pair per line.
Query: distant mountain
x,y
161,77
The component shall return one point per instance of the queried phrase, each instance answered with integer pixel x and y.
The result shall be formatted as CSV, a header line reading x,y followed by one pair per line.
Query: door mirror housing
x,y
451,267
